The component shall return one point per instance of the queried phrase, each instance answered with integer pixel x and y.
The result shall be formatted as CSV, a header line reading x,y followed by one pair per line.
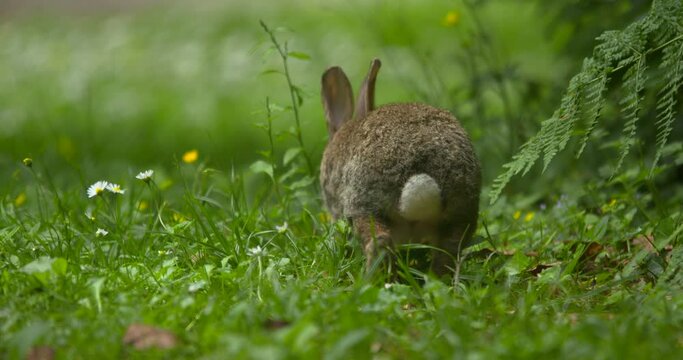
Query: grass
x,y
236,256
273,278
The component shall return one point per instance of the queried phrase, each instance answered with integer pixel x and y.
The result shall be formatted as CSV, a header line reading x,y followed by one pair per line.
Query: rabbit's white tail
x,y
420,199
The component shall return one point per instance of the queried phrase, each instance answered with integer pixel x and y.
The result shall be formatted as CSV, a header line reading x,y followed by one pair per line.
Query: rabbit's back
x,y
368,161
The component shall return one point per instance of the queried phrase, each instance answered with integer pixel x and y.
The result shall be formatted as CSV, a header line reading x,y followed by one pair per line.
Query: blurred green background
x,y
99,89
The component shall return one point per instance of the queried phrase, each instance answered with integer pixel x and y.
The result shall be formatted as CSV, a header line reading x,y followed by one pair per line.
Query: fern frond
x,y
593,101
633,84
585,97
521,163
667,14
666,105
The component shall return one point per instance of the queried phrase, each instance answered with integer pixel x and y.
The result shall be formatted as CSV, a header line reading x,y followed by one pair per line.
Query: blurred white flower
x,y
115,188
145,176
256,251
282,228
97,188
101,232
89,214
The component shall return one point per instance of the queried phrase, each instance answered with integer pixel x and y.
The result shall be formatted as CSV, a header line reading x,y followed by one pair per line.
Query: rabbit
x,y
401,173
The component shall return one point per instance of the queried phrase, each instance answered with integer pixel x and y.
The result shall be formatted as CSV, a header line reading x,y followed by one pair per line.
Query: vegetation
x,y
224,250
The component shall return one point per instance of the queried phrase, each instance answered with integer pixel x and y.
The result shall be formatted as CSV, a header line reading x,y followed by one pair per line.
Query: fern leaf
x,y
585,97
559,128
666,105
593,101
634,83
520,163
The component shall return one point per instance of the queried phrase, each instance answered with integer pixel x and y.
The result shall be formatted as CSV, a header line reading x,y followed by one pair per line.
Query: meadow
x,y
159,194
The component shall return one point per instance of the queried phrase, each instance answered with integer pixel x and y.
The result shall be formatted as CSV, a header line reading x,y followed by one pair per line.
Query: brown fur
x,y
368,160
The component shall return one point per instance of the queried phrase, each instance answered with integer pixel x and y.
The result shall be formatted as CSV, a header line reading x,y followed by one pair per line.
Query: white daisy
x,y
101,232
115,188
97,188
282,228
145,176
256,251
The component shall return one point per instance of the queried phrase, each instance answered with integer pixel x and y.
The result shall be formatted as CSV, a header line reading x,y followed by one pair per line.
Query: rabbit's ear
x,y
366,95
337,98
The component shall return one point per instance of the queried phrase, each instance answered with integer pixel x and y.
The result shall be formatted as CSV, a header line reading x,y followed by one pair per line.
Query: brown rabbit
x,y
401,173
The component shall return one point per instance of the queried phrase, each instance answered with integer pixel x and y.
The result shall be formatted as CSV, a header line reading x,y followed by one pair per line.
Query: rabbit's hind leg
x,y
374,234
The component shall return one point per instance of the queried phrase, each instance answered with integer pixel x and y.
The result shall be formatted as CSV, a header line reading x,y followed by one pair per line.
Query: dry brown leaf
x,y
480,254
592,250
141,336
41,353
508,252
274,324
540,267
644,242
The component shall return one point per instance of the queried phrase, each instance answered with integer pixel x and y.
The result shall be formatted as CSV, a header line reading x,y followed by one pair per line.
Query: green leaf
x,y
59,266
299,55
345,345
299,95
302,183
40,265
517,264
276,107
96,288
261,166
44,268
290,155
271,71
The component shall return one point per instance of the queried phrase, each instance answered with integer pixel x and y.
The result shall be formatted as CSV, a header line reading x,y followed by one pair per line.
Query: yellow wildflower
x,y
20,199
451,19
529,216
191,156
28,162
516,215
143,205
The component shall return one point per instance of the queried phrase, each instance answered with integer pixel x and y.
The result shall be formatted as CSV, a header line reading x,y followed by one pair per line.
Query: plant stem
x,y
271,157
292,89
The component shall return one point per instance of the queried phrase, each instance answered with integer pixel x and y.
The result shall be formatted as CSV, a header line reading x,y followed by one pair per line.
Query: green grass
x,y
235,254
188,263
565,281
